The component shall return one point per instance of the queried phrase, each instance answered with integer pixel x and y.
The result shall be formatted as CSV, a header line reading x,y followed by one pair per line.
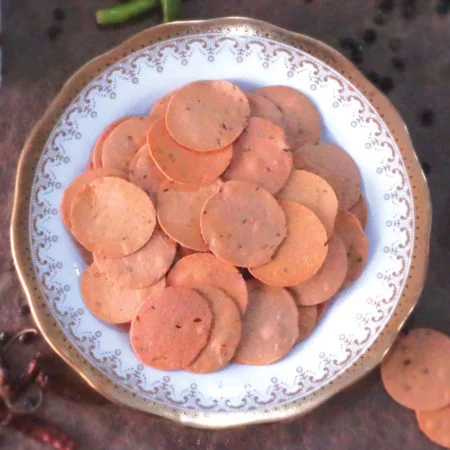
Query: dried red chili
x,y
43,432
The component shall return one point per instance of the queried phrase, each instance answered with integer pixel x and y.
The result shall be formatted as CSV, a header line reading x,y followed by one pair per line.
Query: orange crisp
x,y
333,164
261,156
328,280
204,268
182,165
301,254
124,141
271,326
109,301
145,173
314,192
243,224
416,373
356,243
142,268
97,153
171,329
79,183
301,119
207,115
112,216
179,211
225,332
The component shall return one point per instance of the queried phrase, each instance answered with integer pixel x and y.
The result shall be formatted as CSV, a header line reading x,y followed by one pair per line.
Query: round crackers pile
x,y
220,225
416,374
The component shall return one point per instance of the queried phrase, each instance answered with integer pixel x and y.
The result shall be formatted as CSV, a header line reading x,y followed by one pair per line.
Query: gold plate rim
x,y
228,25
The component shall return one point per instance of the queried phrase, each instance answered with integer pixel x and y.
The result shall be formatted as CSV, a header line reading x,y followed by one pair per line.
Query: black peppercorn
x,y
386,84
386,6
353,48
348,43
59,13
53,32
398,64
409,9
374,77
357,57
443,7
427,117
379,18
24,310
369,36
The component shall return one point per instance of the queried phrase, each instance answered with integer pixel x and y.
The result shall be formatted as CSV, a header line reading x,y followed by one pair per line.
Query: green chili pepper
x,y
125,11
170,10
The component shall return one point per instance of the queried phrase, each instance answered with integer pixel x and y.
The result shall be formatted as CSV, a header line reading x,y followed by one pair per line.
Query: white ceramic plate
x,y
364,319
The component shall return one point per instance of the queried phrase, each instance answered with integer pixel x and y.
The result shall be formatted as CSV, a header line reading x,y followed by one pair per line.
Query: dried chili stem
x,y
124,11
170,10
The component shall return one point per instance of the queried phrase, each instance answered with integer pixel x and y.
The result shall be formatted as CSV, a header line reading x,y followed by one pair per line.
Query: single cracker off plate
x,y
416,372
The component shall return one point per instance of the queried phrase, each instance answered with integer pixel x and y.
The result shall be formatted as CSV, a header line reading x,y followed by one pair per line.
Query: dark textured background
x,y
35,67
